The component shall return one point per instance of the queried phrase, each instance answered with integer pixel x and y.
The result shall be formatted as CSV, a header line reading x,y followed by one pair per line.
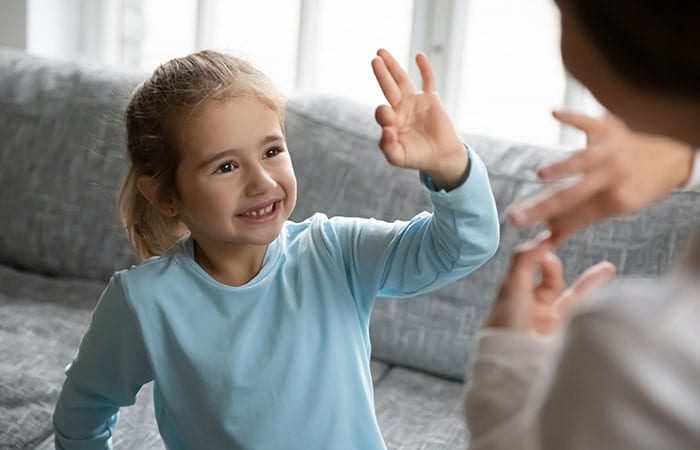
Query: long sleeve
x,y
500,408
110,368
627,380
403,259
624,376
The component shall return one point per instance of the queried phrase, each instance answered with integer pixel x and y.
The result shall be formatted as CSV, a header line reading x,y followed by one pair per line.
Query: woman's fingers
x,y
559,202
587,282
574,164
583,122
552,279
526,259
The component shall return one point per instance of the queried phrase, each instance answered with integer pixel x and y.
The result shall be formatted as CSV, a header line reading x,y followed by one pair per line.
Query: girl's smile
x,y
262,213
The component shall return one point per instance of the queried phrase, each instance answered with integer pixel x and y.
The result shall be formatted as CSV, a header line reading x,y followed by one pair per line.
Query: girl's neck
x,y
234,267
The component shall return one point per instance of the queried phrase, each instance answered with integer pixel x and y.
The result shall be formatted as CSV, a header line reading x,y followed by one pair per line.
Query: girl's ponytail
x,y
149,232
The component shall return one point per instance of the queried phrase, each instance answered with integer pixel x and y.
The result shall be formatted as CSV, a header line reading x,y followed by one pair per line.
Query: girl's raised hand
x,y
417,133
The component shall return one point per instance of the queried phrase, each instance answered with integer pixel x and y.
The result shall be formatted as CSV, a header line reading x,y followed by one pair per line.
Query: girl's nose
x,y
259,181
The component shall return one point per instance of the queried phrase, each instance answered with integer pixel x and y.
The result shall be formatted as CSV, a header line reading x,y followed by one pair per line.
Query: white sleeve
x,y
693,183
499,407
622,382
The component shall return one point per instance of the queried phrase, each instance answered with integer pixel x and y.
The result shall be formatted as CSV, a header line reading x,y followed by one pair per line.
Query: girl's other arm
x,y
110,368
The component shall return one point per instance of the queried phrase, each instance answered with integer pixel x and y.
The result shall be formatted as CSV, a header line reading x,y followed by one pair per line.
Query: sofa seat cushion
x,y
41,322
420,411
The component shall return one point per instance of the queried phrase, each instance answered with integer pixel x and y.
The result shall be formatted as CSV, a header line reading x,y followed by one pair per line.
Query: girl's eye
x,y
274,151
226,167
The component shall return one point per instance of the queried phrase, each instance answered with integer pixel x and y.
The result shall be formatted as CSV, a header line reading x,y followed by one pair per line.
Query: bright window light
x,y
263,32
349,34
512,76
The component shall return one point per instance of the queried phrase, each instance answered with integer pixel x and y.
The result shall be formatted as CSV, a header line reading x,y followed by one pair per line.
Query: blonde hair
x,y
155,113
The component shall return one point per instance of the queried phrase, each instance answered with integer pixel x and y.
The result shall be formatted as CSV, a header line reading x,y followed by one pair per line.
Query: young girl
x,y
254,329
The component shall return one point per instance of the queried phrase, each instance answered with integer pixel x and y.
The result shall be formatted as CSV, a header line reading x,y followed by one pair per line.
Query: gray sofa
x,y
61,161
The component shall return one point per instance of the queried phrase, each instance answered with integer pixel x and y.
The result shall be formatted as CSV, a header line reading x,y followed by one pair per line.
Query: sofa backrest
x,y
341,171
61,163
62,160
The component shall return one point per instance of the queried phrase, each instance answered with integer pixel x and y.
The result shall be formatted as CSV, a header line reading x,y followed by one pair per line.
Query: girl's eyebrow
x,y
233,151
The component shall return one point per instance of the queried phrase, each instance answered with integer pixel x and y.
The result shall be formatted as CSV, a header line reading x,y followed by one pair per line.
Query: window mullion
x,y
305,76
438,31
204,10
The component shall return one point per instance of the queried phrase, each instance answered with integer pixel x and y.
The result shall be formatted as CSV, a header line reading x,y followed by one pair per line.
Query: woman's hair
x,y
652,43
154,117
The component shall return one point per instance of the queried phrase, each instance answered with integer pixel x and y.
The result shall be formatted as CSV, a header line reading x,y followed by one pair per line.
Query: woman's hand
x,y
417,133
618,172
540,307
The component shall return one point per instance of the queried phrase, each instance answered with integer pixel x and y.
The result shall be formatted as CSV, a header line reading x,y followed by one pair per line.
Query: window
x,y
512,75
262,31
153,31
349,34
497,61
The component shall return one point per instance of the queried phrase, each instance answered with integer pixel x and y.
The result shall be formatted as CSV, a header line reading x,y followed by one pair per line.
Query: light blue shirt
x,y
282,362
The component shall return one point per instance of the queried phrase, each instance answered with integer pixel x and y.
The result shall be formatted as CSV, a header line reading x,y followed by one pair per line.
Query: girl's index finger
x,y
426,73
388,85
397,72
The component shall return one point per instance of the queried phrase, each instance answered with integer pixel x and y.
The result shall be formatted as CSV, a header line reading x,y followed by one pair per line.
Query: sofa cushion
x,y
417,410
61,162
341,171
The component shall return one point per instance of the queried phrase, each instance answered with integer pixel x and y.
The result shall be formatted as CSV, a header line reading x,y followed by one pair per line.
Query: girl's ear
x,y
148,187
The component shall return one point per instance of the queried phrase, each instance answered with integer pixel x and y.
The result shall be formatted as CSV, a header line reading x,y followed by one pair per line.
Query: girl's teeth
x,y
260,212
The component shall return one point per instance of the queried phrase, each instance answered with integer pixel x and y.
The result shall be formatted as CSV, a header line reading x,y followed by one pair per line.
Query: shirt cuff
x,y
693,183
428,182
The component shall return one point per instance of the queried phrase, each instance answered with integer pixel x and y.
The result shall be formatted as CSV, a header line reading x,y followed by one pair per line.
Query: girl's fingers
x,y
388,85
385,116
400,76
426,73
390,146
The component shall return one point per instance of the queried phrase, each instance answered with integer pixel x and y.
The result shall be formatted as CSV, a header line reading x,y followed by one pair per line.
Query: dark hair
x,y
173,93
652,43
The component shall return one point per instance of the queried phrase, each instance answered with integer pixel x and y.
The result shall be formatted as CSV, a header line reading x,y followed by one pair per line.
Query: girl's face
x,y
235,181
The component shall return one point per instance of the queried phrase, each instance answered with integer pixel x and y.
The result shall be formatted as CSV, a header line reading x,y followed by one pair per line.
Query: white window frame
x,y
89,31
